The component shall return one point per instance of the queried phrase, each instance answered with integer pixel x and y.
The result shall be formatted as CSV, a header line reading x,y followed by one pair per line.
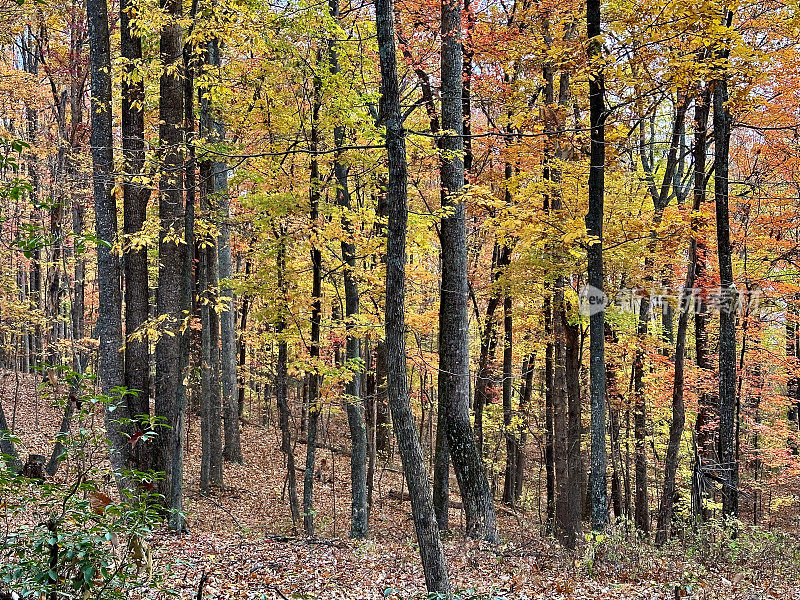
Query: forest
x,y
399,299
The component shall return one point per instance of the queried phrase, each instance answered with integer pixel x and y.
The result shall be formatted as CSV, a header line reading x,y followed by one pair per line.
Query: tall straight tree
x,y
281,377
135,197
316,315
727,316
594,228
211,468
706,405
169,301
109,318
434,564
355,407
454,383
220,200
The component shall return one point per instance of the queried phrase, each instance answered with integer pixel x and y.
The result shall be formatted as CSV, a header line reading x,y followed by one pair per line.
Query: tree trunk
x,y
9,453
524,409
169,372
220,203
678,408
281,376
549,437
441,469
109,319
563,524
314,406
432,554
136,196
703,438
484,377
574,427
453,322
243,311
355,407
727,313
594,228
211,465
510,481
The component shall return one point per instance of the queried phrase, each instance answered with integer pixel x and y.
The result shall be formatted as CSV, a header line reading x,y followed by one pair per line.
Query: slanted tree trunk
x,y
594,228
661,198
9,452
433,560
109,319
678,408
168,382
453,322
483,379
77,291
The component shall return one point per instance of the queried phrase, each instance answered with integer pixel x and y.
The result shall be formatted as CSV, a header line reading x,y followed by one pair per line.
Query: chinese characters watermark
x,y
698,299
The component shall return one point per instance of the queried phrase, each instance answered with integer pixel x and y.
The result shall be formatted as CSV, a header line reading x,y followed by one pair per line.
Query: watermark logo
x,y
591,300
696,299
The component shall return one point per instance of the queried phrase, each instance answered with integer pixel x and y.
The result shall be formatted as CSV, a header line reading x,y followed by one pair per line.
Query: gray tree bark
x,y
109,319
594,228
136,195
281,378
314,405
434,564
453,321
727,314
211,465
168,384
220,202
359,513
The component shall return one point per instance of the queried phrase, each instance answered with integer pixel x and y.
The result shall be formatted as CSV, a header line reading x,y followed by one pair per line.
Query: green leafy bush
x,y
69,540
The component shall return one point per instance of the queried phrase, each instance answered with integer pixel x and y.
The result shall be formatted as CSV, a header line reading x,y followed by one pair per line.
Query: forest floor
x,y
241,538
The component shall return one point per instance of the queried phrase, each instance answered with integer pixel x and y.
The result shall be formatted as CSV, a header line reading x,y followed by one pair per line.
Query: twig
x,y
203,578
277,591
228,512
